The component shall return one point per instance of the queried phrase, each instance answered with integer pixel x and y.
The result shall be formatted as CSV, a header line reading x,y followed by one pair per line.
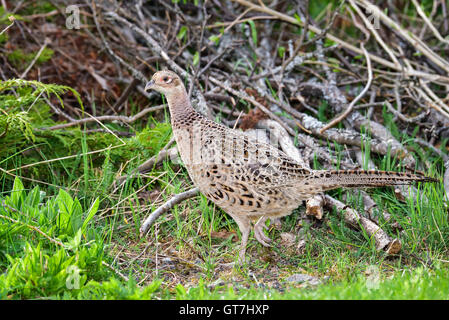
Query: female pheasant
x,y
248,179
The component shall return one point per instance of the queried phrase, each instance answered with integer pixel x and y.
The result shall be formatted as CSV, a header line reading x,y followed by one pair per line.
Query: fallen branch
x,y
165,207
347,136
294,21
352,217
123,119
149,164
408,73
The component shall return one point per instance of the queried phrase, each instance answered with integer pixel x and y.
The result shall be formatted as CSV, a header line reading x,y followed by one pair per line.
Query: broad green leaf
x,y
34,197
90,214
65,205
328,43
17,192
76,218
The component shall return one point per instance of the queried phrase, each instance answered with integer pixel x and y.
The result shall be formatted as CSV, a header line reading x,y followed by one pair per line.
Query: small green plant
x,y
47,248
20,60
3,38
29,97
281,51
182,33
16,123
253,32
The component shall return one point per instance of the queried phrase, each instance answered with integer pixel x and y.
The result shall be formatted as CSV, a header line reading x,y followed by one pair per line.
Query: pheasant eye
x,y
167,79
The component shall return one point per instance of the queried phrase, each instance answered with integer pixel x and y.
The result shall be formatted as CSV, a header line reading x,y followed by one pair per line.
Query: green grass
x,y
53,248
31,261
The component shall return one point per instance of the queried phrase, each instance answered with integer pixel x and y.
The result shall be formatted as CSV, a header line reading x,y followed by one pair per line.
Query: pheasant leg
x,y
259,234
244,226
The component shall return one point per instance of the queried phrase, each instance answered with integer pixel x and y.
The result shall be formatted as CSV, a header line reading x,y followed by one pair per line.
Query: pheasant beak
x,y
149,85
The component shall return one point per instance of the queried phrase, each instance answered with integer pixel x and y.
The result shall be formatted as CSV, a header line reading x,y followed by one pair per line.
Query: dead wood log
x,y
352,217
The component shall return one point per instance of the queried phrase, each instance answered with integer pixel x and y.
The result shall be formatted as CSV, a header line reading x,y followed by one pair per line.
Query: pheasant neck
x,y
180,107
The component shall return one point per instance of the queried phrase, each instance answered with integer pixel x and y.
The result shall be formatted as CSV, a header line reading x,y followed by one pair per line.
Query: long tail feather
x,y
365,178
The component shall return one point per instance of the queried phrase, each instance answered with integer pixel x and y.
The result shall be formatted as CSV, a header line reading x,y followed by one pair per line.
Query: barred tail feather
x,y
366,178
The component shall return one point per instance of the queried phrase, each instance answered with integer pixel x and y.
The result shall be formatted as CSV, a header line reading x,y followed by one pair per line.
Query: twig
x,y
346,45
244,96
361,94
411,38
428,22
12,19
46,42
42,15
314,205
376,35
232,23
136,73
433,104
59,243
115,271
282,139
124,119
157,49
165,207
63,158
292,20
154,45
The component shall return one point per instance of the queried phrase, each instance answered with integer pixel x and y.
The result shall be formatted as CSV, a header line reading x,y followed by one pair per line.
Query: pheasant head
x,y
171,85
166,82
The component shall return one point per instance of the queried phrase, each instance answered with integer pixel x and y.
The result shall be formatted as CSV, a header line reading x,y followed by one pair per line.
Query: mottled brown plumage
x,y
250,180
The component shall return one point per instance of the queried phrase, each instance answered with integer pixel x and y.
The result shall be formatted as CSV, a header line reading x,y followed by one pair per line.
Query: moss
x,y
20,60
3,38
37,7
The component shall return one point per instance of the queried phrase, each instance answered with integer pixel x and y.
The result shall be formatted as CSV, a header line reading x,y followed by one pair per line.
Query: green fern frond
x,y
18,121
40,87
